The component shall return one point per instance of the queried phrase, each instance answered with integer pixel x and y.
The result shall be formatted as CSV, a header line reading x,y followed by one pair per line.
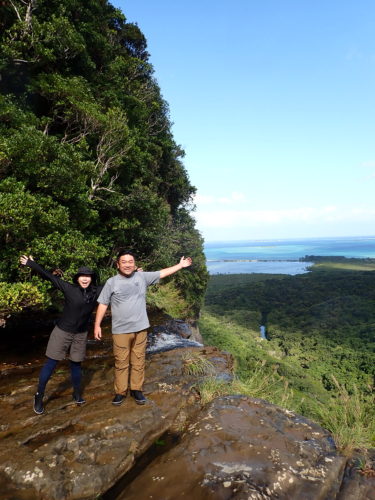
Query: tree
x,y
88,162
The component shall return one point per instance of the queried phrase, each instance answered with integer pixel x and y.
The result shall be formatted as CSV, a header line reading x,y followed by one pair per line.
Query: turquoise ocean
x,y
281,256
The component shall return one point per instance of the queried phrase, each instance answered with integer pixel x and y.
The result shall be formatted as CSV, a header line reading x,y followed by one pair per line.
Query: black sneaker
x,y
118,399
138,397
79,400
38,403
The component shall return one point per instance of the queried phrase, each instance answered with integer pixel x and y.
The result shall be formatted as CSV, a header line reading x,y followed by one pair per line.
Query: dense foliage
x,y
321,329
88,162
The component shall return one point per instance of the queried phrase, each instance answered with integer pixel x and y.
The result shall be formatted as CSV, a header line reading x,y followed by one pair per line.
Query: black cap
x,y
87,271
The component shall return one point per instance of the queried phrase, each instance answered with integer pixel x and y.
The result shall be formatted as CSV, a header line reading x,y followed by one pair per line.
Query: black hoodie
x,y
79,302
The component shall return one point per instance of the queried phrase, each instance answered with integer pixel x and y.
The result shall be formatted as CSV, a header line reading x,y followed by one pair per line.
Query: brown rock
x,y
234,448
244,448
187,330
75,452
359,483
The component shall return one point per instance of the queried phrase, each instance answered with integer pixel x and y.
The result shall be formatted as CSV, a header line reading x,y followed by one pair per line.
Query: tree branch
x,y
17,12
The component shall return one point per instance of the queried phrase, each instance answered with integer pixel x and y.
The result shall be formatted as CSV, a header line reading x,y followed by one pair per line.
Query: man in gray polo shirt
x,y
126,293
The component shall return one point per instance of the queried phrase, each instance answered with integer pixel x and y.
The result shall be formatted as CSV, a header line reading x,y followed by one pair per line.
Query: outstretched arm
x,y
98,320
184,262
57,282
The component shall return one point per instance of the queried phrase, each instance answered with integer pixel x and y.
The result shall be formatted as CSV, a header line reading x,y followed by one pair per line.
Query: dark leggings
x,y
49,367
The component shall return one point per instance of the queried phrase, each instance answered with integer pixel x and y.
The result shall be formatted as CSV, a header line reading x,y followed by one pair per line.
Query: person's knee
x,y
121,364
138,368
122,357
51,363
138,358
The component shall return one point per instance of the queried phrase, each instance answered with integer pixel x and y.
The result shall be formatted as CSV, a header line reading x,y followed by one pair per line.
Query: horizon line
x,y
296,238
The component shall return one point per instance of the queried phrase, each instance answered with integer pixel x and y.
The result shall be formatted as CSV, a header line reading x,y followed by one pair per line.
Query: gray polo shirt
x,y
127,297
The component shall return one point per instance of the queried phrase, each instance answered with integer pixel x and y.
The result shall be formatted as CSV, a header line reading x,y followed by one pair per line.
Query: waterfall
x,y
263,332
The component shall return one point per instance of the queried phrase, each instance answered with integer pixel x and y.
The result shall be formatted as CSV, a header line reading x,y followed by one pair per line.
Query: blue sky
x,y
273,102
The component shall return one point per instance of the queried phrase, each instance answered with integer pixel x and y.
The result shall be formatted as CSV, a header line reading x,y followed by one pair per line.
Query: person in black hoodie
x,y
70,332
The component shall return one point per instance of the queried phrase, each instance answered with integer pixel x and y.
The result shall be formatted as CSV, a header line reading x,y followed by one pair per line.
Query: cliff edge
x,y
235,447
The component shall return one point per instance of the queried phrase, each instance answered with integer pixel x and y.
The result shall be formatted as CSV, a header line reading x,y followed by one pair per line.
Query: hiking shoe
x,y
138,397
77,397
38,403
118,399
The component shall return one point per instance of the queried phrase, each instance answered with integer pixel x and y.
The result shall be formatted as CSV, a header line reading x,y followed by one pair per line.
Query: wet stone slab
x,y
73,452
243,448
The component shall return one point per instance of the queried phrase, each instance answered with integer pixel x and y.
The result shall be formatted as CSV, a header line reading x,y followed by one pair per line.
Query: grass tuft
x,y
212,387
196,364
349,418
259,385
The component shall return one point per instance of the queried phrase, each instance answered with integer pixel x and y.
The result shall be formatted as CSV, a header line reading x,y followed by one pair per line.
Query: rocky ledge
x,y
232,448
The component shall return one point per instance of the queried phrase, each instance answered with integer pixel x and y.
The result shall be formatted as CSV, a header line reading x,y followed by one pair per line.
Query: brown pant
x,y
129,349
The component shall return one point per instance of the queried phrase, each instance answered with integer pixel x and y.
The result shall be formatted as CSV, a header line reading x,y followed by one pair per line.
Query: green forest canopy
x,y
324,320
88,163
319,357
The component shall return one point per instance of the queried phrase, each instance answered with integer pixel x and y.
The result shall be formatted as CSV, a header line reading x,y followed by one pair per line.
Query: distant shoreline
x,y
308,258
290,266
253,260
289,251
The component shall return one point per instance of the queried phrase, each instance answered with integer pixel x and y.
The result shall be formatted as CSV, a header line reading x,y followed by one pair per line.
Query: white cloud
x,y
371,166
329,209
201,199
368,164
305,215
231,199
234,215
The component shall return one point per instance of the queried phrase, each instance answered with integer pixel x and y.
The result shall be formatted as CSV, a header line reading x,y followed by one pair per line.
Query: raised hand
x,y
24,259
186,262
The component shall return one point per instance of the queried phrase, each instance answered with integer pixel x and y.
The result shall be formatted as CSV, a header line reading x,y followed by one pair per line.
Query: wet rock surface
x,y
244,448
173,334
73,452
234,448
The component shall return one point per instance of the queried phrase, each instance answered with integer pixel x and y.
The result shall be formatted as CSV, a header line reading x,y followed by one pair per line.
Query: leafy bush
x,y
167,298
15,296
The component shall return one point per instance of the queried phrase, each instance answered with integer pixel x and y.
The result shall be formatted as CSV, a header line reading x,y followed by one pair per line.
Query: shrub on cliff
x,y
15,296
